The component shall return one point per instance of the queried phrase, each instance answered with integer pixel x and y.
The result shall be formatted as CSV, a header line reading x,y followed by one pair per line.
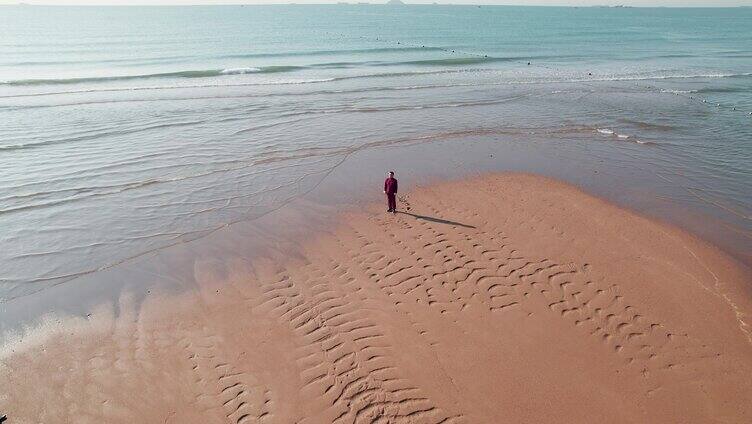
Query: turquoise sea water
x,y
127,130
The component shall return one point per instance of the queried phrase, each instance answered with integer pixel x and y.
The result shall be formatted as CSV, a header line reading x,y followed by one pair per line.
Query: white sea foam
x,y
611,133
679,91
237,71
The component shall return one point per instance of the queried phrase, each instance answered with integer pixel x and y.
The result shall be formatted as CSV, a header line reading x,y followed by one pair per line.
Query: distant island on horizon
x,y
397,2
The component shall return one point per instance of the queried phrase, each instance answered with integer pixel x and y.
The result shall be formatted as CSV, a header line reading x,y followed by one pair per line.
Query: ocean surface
x,y
128,130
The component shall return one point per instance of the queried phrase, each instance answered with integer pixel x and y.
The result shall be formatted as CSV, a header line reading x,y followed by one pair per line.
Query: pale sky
x,y
676,3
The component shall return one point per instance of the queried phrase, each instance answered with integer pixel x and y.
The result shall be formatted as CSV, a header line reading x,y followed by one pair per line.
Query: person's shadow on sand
x,y
437,220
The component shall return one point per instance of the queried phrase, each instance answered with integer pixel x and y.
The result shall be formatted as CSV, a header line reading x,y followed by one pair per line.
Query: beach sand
x,y
500,298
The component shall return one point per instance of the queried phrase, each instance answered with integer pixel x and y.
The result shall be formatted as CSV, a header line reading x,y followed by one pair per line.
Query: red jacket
x,y
390,185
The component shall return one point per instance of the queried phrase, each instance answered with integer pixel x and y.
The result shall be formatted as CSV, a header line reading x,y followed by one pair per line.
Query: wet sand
x,y
502,298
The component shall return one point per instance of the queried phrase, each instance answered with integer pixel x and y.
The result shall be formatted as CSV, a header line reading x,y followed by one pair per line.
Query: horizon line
x,y
385,3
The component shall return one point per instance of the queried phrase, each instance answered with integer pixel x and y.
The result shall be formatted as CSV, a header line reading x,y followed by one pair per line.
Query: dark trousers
x,y
392,201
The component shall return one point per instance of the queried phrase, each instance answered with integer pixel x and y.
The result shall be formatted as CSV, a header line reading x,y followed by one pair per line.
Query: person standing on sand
x,y
390,189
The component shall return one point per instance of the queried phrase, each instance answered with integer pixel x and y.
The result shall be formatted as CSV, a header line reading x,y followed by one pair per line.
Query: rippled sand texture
x,y
507,298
